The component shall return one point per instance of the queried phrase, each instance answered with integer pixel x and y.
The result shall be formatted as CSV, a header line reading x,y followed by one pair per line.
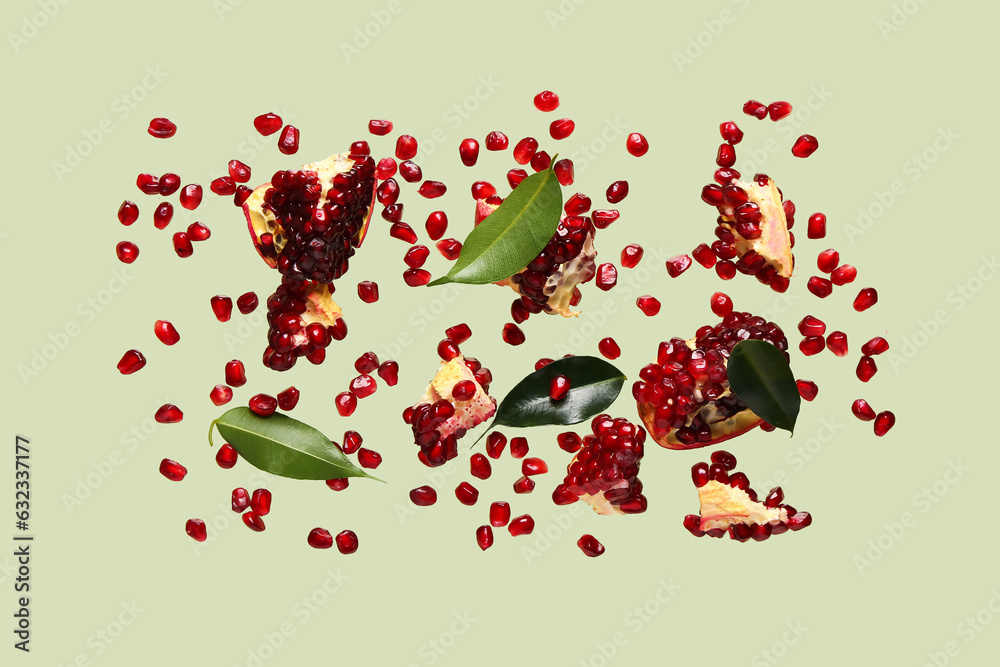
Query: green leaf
x,y
513,235
594,386
760,377
284,446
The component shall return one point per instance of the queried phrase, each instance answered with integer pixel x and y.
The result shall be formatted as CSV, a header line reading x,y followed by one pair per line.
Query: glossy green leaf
x,y
513,235
594,386
284,446
760,377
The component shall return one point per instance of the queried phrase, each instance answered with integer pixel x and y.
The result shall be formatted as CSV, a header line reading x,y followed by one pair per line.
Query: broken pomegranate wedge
x,y
307,222
605,472
302,321
684,397
729,505
439,419
550,281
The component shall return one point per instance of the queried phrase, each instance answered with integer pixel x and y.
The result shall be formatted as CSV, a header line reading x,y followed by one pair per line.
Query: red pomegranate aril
x,y
347,542
242,194
484,537
866,368
876,345
131,362
519,447
288,140
569,442
195,528
253,521
464,390
483,190
522,525
805,146
369,458
222,306
778,110
403,232
346,403
386,168
533,466
368,291
724,176
410,171
540,161
836,342
608,348
431,189
366,363
235,373
389,372
828,260
466,493
524,484
161,128
406,147
182,245
865,299
191,196
603,217
363,386
515,176
240,500
168,414
127,252
755,109
590,546
172,470
578,204
380,128
704,255
260,502
559,387
721,304
388,192
731,132
459,333
320,538
512,334
607,276
163,214
546,101
843,274
499,514
263,405
496,141
631,255
450,249
726,156
542,363
817,226
811,345
712,194
636,144
468,150
649,305
197,231
617,191
239,172
563,170
169,184
352,442
862,410
359,148
807,389
883,422
267,123
480,466
128,213
227,456
447,349
562,128
726,269
820,287
423,496
338,484
166,332
525,149
288,399
811,326
495,442
678,265
416,277
223,186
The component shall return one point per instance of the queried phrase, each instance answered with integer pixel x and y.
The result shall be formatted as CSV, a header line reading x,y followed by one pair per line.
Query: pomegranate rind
x,y
261,221
723,505
468,414
774,243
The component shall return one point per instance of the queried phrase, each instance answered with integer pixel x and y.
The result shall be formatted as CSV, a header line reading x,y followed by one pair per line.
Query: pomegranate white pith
x,y
468,413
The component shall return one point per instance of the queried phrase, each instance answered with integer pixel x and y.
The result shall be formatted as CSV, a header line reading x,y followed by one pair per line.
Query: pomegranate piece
x,y
447,349
480,466
195,528
222,306
865,299
466,493
607,276
239,172
590,546
522,525
524,484
366,363
165,332
163,214
363,386
843,275
499,514
862,410
495,442
267,124
603,217
389,372
678,265
128,213
303,320
347,542
346,403
559,387
811,326
352,442
496,141
191,196
226,457
617,191
564,172
805,146
468,151
811,345
836,342
260,502
731,133
247,303
410,171
416,256
562,128
512,334
631,255
649,305
866,369
883,422
253,522
263,404
828,260
127,252
182,245
450,249
608,348
518,447
380,127
406,147
422,496
726,156
197,231
820,287
288,399
755,109
484,537
807,389
721,304
546,101
525,150
240,500
403,232
704,255
131,362
169,184
223,186
288,140
368,291
386,168
369,458
778,110
235,373
636,144
168,414
161,128
320,538
533,466
416,277
172,470
876,345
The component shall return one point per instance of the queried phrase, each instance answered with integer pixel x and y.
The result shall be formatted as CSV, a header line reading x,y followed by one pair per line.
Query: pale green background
x,y
875,98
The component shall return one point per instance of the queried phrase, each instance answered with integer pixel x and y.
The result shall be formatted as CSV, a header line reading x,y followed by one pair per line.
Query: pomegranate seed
x,y
649,305
172,470
436,225
369,458
260,502
163,214
807,389
559,387
222,306
320,538
862,410
590,546
546,101
704,255
631,255
876,345
778,110
525,150
406,147
263,404
431,189
468,150
366,363
148,184
239,172
240,500
466,494
389,372
726,157
191,196
223,186
811,345
843,275
533,466
480,466
817,226
812,326
464,390
607,276
338,484
459,333
127,252
182,245
226,457
346,403
347,542
247,302
253,522
828,260
562,128
495,442
235,373
603,217
363,386
617,191
725,269
422,496
883,422
522,525
242,194
542,363
836,342
447,349
169,184
540,161
563,170
388,192
524,484
678,265
805,146
609,348
416,277
866,369
865,299
410,171
755,109
499,514
288,399
359,148
512,334
197,231
496,141
712,194
368,291
721,304
380,128
450,249
518,447
403,232
268,123
166,332
386,168
731,132
196,529
636,144
161,128
484,537
168,414
352,442
483,190
820,287
128,213
569,442
131,362
288,141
